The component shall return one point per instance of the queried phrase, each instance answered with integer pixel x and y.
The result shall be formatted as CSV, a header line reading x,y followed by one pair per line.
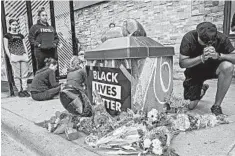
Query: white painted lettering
x,y
108,77
103,76
95,75
114,77
118,106
108,90
112,103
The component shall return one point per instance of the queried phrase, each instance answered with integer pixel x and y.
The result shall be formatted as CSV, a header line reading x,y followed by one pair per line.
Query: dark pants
x,y
72,98
194,80
46,95
40,56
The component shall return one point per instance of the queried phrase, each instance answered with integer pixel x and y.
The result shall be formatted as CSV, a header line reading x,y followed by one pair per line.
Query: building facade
x,y
164,21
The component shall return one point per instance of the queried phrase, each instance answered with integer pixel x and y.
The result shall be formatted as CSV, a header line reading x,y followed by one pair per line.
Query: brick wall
x,y
164,21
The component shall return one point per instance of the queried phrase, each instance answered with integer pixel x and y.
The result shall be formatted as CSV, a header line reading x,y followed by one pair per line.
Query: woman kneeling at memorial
x,y
73,96
44,85
76,74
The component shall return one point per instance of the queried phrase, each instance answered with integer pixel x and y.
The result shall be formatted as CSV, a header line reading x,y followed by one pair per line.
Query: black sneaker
x,y
217,110
21,94
26,93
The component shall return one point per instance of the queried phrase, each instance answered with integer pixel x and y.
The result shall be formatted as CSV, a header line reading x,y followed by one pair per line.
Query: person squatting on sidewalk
x,y
44,39
73,96
206,54
16,50
76,76
44,85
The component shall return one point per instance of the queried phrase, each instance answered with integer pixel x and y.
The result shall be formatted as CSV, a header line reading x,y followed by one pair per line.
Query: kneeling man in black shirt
x,y
206,54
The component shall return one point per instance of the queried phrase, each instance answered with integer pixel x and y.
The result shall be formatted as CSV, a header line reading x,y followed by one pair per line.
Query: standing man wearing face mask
x,y
44,39
206,54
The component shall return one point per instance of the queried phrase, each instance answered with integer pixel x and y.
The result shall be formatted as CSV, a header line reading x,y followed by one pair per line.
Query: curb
x,y
38,139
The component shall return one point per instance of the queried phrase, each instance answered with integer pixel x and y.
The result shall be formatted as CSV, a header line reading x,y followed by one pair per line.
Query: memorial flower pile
x,y
139,132
150,134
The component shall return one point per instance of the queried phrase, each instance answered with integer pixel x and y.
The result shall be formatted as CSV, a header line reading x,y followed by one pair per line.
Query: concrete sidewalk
x,y
20,114
217,141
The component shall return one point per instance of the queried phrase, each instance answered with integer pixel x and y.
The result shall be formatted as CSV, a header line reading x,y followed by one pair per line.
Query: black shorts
x,y
195,79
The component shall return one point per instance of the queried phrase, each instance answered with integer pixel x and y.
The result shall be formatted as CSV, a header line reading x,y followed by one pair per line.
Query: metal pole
x,y
71,9
227,17
52,12
30,23
8,64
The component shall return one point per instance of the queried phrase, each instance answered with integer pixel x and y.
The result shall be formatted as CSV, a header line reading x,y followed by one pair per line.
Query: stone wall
x,y
164,21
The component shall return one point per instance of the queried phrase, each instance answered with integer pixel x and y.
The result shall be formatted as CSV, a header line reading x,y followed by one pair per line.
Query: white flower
x,y
182,122
153,115
212,120
157,148
147,143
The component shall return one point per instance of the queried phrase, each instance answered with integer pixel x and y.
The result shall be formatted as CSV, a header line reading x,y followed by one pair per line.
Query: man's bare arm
x,y
228,57
187,62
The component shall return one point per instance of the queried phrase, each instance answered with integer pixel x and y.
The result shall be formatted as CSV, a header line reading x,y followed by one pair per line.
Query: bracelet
x,y
219,55
202,59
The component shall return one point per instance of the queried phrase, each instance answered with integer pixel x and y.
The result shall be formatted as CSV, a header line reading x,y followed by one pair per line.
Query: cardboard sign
x,y
113,87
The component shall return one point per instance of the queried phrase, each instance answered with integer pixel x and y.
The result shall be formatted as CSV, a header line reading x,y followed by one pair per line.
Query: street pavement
x,y
20,114
10,147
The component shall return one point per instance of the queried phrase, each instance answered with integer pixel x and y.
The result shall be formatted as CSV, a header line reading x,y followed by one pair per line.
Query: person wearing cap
x,y
206,54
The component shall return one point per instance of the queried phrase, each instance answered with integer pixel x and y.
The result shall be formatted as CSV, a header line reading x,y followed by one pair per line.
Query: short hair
x,y
207,32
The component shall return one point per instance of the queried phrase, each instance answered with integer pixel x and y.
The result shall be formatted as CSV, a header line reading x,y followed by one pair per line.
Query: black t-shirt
x,y
191,47
15,43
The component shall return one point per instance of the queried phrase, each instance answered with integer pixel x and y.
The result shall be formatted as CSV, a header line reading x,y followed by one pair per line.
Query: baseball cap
x,y
207,32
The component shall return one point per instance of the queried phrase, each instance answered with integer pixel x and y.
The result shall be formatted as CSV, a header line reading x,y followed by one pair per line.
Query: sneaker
x,y
26,93
217,110
21,94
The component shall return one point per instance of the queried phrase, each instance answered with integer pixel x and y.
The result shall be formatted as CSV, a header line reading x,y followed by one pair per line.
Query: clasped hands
x,y
209,52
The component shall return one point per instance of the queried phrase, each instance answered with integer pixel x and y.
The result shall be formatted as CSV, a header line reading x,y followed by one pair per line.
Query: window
x,y
229,11
83,4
